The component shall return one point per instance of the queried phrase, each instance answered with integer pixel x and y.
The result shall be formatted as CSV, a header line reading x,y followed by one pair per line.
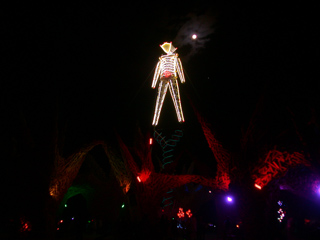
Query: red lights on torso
x,y
167,74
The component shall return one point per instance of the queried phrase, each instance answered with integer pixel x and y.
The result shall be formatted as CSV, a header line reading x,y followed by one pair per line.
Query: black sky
x,y
93,63
89,67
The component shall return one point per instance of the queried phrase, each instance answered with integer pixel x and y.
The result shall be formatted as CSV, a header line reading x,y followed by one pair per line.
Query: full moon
x,y
194,36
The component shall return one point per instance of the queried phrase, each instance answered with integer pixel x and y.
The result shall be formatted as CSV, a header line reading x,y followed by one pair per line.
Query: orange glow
x,y
257,186
189,213
237,226
150,141
53,191
139,180
180,214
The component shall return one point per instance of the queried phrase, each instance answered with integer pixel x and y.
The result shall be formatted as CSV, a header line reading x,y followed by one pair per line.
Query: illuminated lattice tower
x,y
167,72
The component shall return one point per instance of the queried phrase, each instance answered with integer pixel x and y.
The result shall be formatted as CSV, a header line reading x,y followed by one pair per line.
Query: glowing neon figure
x,y
166,71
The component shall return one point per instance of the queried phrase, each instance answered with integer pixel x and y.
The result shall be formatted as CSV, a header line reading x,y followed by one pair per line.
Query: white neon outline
x,y
166,72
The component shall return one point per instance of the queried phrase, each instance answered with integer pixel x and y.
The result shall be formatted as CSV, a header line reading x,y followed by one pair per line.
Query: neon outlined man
x,y
166,72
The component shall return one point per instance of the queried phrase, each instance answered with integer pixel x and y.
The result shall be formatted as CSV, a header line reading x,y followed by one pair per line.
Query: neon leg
x,y
175,95
162,90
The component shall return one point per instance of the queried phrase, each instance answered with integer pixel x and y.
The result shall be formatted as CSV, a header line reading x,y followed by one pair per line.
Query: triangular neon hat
x,y
168,47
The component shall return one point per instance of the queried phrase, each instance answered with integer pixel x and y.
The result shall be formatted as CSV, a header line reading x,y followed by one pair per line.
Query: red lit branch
x,y
152,186
275,165
221,155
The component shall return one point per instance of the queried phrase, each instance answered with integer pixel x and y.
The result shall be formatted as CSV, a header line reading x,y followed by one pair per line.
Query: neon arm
x,y
156,75
180,70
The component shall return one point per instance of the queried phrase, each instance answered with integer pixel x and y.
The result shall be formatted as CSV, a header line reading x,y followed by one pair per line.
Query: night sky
x,y
85,69
90,65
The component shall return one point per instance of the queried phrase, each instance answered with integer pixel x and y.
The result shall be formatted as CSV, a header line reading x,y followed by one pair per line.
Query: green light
x,y
89,221
122,206
172,218
65,205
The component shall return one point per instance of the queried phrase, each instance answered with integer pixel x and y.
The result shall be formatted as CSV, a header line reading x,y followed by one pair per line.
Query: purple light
x,y
229,199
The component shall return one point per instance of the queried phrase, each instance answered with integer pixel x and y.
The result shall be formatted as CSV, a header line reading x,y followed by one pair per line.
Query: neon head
x,y
168,47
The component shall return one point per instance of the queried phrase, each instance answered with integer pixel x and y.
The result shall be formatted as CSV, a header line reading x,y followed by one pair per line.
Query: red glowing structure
x,y
153,185
221,155
25,225
143,175
274,165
